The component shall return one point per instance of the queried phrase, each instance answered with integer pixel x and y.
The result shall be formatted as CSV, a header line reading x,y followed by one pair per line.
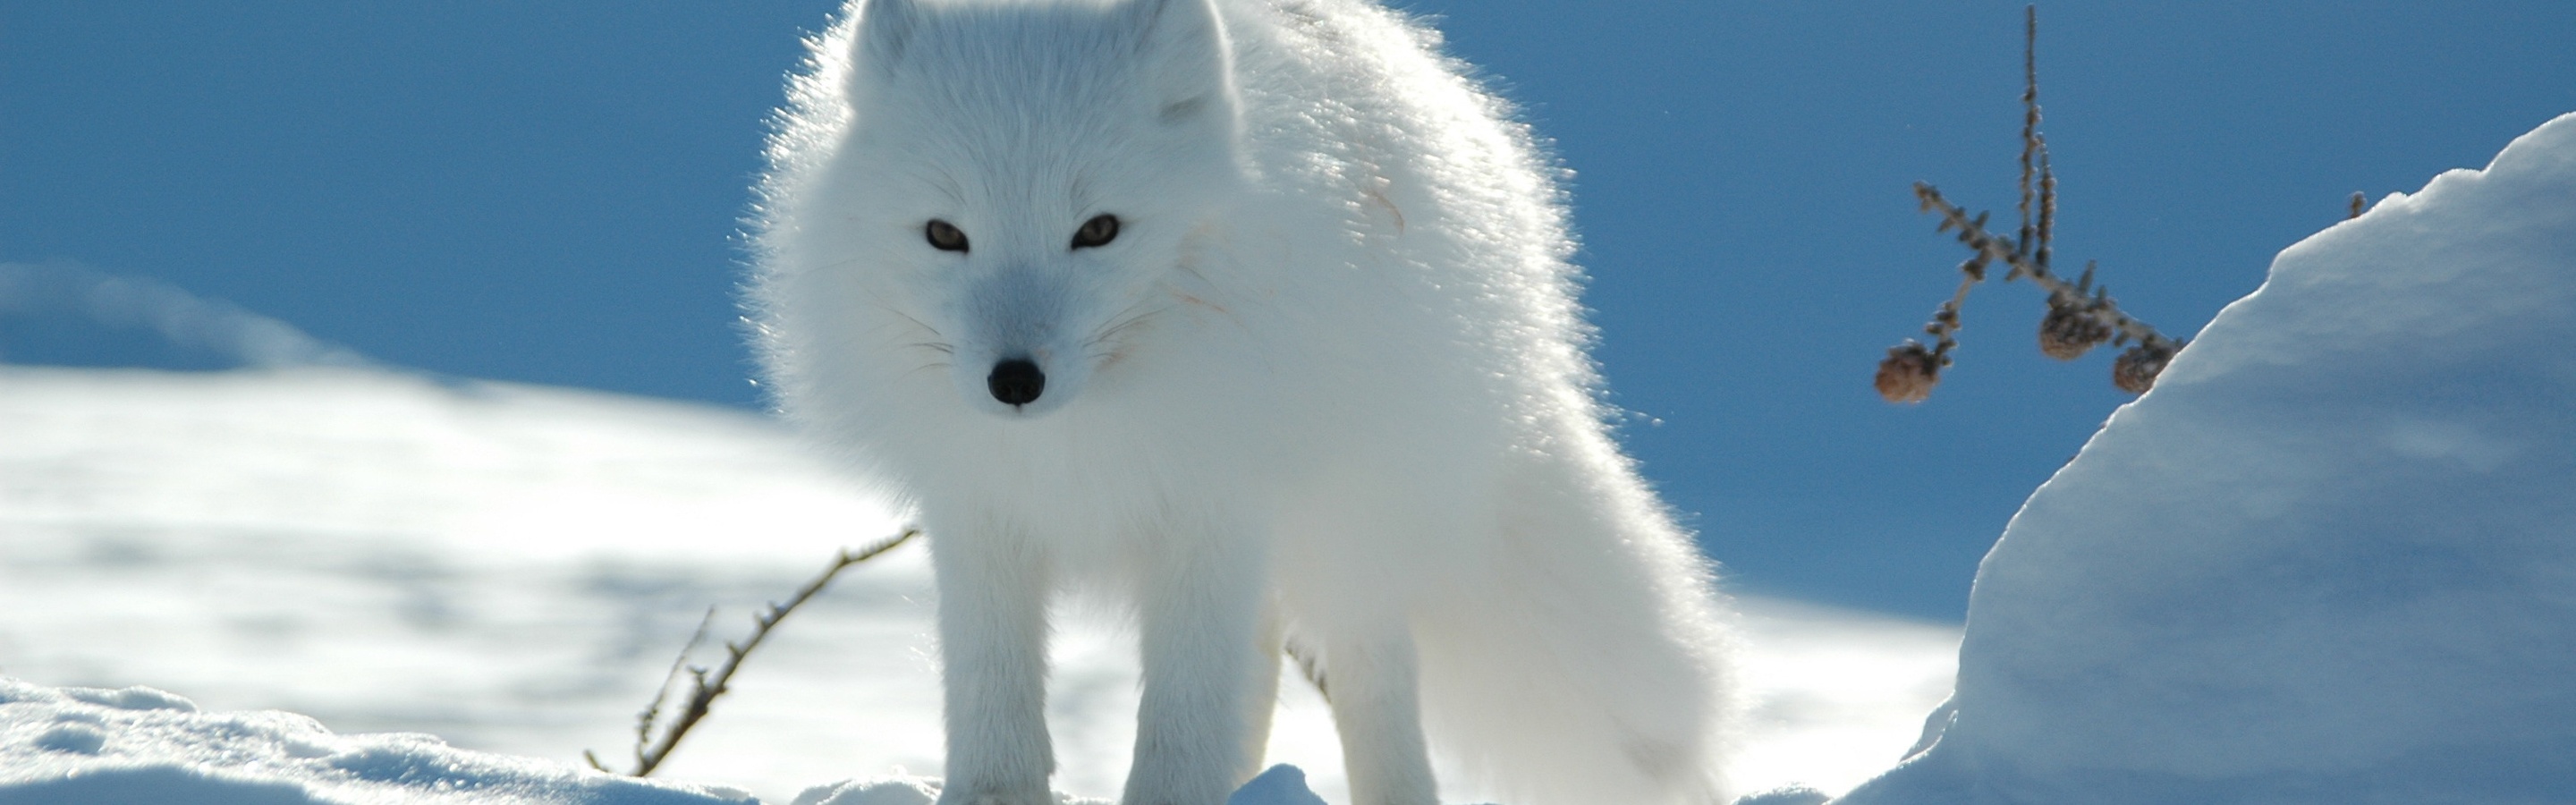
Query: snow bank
x,y
2331,557
140,746
503,471
92,746
508,567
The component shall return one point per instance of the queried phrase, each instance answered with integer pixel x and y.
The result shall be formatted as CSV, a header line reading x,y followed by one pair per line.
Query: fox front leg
x,y
992,646
1369,678
1261,697
1202,629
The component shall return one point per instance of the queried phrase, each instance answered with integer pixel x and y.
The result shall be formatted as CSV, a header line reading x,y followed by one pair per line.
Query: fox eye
x,y
1099,230
945,236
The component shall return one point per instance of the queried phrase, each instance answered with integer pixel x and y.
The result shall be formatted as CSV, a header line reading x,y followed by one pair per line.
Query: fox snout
x,y
1016,382
1014,354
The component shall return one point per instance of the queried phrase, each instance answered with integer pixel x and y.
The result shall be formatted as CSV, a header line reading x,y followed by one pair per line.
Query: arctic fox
x,y
1257,315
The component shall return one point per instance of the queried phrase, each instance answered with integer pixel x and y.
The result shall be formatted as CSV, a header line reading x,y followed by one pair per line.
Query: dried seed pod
x,y
2136,370
1909,373
2069,330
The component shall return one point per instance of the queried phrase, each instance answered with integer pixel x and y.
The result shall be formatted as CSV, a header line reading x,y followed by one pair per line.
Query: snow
x,y
511,568
2329,558
139,745
1282,784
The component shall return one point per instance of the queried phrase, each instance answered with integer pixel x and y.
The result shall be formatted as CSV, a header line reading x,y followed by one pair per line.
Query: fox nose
x,y
1016,381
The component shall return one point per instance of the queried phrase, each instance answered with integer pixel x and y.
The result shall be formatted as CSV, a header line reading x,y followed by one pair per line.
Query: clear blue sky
x,y
548,192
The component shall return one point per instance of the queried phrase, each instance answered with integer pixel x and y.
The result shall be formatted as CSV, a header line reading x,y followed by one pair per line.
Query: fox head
x,y
1019,179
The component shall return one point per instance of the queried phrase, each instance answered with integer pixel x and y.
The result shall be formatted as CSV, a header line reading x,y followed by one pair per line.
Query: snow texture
x,y
93,746
1280,785
512,567
2330,558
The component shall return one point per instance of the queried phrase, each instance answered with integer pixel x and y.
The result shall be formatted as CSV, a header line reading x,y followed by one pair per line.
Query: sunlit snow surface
x,y
93,746
2330,558
512,568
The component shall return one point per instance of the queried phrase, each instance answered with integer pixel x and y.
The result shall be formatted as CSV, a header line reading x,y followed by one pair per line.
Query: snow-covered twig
x,y
706,685
2080,314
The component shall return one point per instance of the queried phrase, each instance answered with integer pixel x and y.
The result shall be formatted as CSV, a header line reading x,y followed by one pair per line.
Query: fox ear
x,y
1181,45
884,26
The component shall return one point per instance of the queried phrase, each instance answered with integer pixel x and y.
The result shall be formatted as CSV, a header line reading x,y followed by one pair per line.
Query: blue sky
x,y
548,192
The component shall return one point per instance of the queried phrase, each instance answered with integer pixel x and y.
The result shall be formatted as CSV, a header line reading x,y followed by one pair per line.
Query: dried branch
x,y
705,686
2080,314
1998,248
644,721
2033,148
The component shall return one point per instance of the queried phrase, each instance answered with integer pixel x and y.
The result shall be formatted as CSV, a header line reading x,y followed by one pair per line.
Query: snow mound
x,y
92,746
2331,558
1282,784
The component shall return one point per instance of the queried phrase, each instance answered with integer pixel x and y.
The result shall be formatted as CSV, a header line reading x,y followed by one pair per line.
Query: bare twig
x,y
2033,149
706,685
644,721
2002,249
2080,314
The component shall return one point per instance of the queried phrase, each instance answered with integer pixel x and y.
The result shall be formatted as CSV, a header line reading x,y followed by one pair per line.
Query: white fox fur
x,y
1325,389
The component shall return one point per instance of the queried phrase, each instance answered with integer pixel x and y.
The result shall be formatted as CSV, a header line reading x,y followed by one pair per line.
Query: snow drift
x,y
91,746
94,746
2331,557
